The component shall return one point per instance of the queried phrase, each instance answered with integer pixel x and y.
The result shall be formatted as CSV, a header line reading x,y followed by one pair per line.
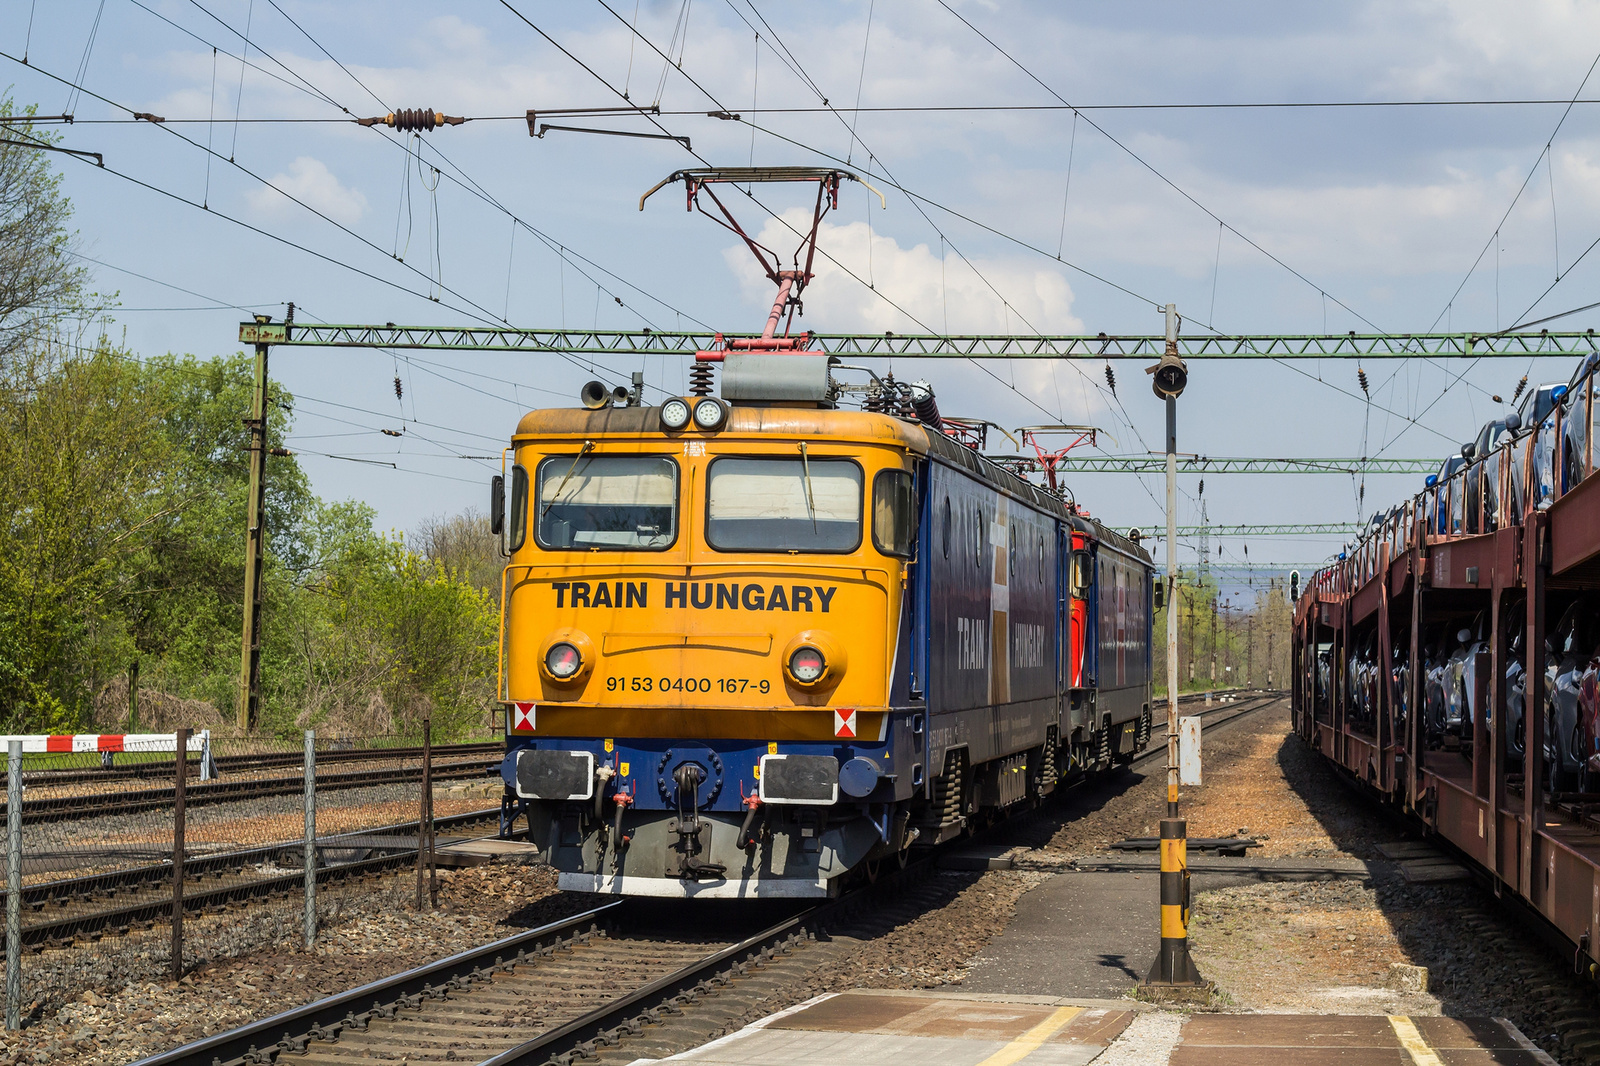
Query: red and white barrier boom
x,y
108,744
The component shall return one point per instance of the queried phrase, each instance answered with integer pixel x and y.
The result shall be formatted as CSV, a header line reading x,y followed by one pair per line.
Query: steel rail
x,y
1251,704
56,808
157,907
1098,346
290,1030
611,1020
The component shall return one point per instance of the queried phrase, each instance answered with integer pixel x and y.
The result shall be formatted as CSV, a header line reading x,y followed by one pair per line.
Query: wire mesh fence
x,y
121,862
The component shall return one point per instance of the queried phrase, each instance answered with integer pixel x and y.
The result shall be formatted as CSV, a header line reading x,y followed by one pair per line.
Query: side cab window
x,y
894,513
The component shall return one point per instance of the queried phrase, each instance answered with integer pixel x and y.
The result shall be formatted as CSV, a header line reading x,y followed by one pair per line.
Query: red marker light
x,y
562,660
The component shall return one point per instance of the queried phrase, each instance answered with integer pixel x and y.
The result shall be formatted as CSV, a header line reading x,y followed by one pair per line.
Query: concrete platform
x,y
1313,1040
872,1027
892,1028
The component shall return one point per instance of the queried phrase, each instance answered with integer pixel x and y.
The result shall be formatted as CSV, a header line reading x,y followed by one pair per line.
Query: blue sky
x,y
1376,214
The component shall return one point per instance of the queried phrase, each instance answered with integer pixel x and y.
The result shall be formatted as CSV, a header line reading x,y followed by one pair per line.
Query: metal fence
x,y
119,868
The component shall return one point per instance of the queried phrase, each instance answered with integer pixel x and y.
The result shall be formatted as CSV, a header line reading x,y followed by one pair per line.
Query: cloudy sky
x,y
1006,210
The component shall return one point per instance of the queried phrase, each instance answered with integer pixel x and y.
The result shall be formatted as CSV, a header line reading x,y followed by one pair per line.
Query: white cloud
x,y
310,181
913,290
908,290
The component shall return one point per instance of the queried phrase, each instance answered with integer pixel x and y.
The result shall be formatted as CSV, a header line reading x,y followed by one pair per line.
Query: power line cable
x,y
1152,169
1545,151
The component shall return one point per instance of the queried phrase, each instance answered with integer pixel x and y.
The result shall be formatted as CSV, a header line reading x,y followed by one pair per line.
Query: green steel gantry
x,y
1308,529
596,342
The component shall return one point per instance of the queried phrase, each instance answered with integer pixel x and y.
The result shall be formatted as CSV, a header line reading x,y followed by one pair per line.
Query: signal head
x,y
1169,377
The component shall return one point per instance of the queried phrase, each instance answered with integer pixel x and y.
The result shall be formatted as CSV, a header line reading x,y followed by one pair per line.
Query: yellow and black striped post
x,y
1173,970
1173,965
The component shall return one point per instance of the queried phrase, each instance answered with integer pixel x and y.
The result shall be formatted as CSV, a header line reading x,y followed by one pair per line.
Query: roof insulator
x,y
410,119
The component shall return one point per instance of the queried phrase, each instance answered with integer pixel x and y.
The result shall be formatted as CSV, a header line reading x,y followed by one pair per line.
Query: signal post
x,y
1174,974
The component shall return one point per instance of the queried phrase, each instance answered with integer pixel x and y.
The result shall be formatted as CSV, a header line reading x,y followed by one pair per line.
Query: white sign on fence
x,y
1189,750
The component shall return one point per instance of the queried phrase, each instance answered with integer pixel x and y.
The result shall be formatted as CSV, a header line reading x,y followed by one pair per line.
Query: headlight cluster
x,y
707,413
710,414
674,414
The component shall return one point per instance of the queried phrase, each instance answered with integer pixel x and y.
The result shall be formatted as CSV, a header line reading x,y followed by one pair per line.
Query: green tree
x,y
41,284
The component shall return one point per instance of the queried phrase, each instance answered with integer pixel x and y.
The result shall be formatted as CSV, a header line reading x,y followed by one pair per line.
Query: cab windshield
x,y
798,504
615,502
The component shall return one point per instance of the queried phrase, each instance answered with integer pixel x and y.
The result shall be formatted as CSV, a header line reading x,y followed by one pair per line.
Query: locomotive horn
x,y
594,395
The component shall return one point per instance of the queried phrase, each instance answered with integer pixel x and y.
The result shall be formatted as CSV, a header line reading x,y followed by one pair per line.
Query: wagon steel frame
x,y
1518,524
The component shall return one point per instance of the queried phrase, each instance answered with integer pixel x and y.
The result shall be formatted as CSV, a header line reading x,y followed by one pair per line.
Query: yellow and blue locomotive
x,y
753,643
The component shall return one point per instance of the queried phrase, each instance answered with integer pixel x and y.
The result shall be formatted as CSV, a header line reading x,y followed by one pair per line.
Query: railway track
x,y
213,883
1236,704
548,995
200,793
525,999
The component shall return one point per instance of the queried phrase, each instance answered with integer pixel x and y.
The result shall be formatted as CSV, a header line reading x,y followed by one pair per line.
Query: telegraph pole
x,y
1213,641
1190,600
1249,648
254,543
1173,969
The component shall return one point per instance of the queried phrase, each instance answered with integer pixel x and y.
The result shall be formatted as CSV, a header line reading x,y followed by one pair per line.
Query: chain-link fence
x,y
98,900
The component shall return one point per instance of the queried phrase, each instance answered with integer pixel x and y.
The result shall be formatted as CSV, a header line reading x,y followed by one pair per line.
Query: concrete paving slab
x,y
1406,849
1433,871
890,1029
1272,1039
1077,934
978,857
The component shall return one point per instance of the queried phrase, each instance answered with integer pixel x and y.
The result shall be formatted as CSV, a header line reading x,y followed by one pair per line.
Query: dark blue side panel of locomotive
x,y
1119,635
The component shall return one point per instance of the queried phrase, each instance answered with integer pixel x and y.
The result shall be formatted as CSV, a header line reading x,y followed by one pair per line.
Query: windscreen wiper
x,y
811,506
588,446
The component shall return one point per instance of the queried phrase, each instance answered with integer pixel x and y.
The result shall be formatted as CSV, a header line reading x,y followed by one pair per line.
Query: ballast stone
x,y
1403,977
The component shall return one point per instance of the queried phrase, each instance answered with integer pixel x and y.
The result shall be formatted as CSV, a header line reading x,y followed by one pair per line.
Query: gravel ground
x,y
1327,947
112,1003
1320,947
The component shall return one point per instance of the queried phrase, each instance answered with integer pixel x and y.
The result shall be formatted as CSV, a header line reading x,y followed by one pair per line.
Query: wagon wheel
x,y
902,858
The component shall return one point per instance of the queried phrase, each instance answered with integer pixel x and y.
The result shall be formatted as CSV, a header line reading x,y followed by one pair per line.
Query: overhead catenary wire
x,y
1543,153
464,181
815,88
1151,167
904,109
476,311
